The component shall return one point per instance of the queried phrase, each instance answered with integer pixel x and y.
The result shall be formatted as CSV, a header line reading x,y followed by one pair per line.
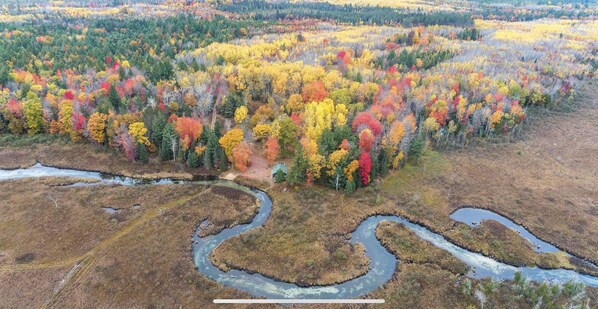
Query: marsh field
x,y
166,153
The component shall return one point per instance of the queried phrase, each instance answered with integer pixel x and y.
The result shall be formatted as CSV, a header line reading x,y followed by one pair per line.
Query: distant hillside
x,y
77,2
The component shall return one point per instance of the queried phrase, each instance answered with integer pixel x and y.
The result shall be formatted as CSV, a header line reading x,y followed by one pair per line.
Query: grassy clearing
x,y
31,209
46,228
27,289
19,140
299,243
151,266
409,248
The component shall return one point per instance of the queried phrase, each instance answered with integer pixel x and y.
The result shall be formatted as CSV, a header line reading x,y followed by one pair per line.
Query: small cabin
x,y
280,167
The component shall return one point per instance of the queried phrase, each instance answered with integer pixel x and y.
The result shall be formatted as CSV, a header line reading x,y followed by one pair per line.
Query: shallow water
x,y
474,216
111,210
382,262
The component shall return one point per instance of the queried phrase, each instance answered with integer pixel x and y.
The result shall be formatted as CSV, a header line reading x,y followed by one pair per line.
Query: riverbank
x,y
85,156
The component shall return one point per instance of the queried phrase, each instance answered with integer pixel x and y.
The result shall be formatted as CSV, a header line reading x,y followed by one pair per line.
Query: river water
x,y
382,262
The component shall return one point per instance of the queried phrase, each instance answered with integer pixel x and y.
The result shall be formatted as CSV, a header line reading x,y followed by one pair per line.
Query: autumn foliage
x,y
347,97
241,154
189,130
272,149
365,167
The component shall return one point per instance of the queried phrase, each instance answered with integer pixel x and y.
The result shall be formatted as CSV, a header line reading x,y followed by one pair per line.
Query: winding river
x,y
382,262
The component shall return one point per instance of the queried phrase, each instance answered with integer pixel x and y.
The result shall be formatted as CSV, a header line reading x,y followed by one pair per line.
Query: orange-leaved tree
x,y
241,154
272,149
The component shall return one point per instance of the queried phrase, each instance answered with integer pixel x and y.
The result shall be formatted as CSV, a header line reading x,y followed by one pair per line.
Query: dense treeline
x,y
262,10
515,14
416,59
145,43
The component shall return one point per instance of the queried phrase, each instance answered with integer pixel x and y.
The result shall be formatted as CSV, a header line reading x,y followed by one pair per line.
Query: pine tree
x,y
417,147
193,160
157,129
222,159
114,98
168,136
4,77
298,174
207,161
142,153
327,144
350,187
382,163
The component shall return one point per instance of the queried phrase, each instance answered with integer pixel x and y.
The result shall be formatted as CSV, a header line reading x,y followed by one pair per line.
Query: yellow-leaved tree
x,y
96,125
139,132
241,114
323,115
261,131
231,139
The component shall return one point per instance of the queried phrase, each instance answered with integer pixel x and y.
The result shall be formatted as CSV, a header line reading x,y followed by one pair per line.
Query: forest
x,y
343,105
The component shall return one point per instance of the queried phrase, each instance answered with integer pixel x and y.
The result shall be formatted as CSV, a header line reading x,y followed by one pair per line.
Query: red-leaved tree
x,y
366,120
365,167
366,140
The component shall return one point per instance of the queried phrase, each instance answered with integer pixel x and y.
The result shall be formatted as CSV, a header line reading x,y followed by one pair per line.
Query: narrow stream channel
x,y
382,262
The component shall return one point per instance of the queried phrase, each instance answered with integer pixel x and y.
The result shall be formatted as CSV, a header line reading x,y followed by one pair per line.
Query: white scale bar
x,y
298,301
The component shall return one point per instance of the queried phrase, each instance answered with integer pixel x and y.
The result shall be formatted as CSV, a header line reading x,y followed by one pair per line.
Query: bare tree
x,y
173,146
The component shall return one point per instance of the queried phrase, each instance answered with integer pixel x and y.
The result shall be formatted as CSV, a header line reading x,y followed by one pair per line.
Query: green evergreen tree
x,y
142,153
4,77
25,90
230,105
350,187
168,136
121,73
327,144
193,160
195,66
297,173
417,147
338,179
207,161
157,128
222,159
382,163
114,98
